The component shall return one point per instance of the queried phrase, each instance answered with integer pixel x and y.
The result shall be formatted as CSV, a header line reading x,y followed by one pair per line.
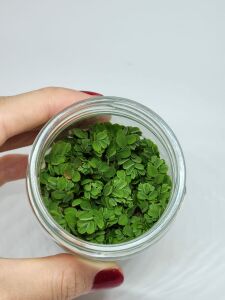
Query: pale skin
x,y
56,277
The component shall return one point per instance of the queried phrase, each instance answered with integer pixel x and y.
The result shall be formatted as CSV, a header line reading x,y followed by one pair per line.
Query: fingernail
x,y
108,279
92,93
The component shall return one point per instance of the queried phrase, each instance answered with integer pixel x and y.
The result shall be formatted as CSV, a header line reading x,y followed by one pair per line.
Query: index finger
x,y
29,110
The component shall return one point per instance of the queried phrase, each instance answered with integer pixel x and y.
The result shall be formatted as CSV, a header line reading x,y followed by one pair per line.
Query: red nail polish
x,y
108,279
91,93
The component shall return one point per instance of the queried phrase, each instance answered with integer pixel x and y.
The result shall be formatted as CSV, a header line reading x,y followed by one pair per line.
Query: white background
x,y
169,55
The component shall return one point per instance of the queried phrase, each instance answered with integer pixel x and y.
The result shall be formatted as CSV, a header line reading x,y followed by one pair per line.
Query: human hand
x,y
61,276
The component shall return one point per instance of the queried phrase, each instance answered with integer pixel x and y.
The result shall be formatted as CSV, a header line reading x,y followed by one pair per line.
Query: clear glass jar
x,y
125,112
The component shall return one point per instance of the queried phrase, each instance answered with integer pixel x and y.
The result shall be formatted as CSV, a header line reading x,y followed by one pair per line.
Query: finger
x,y
27,138
20,140
12,167
58,277
24,112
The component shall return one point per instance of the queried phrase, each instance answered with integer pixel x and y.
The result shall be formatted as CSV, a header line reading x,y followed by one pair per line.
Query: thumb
x,y
62,276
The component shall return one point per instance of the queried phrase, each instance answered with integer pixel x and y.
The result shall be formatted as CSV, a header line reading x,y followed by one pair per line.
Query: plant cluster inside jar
x,y
106,184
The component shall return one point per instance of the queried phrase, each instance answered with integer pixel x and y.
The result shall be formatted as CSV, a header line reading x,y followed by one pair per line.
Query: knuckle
x,y
49,90
69,284
50,94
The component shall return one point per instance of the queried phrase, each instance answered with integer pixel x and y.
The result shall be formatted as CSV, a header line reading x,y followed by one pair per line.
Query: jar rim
x,y
61,236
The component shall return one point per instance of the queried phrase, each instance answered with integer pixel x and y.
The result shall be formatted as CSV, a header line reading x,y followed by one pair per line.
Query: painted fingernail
x,y
109,278
92,93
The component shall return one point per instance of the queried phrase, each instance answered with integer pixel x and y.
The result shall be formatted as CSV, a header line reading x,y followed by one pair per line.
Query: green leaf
x,y
58,195
165,188
153,195
102,135
134,130
108,189
123,220
110,172
144,190
131,139
94,162
60,183
85,205
111,151
121,139
155,211
139,166
85,216
159,178
101,141
80,133
70,217
157,161
163,169
77,162
58,153
121,174
164,199
147,187
118,211
76,176
124,153
141,195
128,164
97,146
151,170
135,158
127,231
90,227
86,181
82,228
98,218
76,202
43,177
143,205
60,169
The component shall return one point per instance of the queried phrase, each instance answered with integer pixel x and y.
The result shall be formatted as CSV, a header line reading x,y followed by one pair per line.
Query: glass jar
x,y
122,111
